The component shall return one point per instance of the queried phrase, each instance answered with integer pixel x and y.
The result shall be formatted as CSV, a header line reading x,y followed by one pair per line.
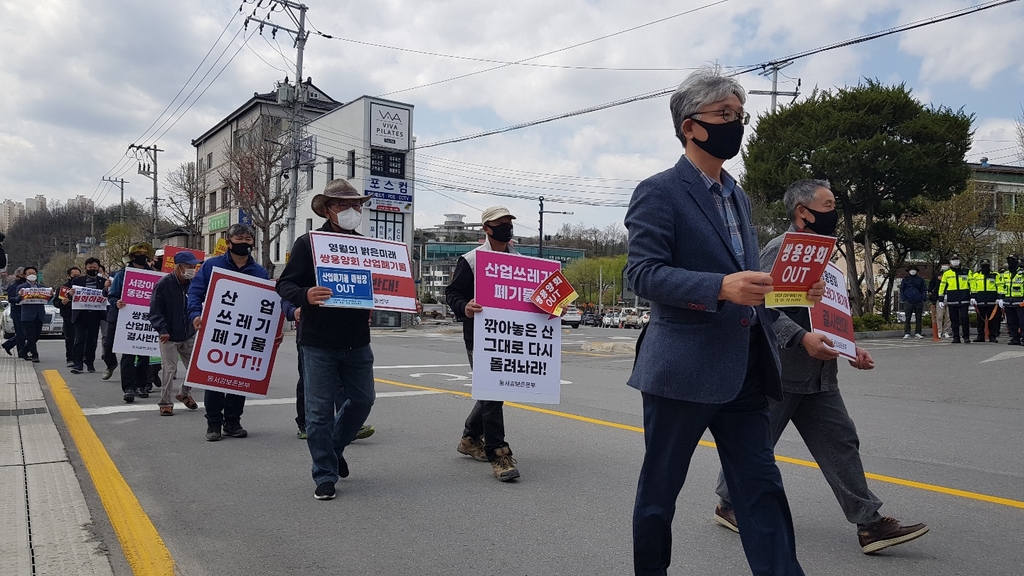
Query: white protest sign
x,y
88,299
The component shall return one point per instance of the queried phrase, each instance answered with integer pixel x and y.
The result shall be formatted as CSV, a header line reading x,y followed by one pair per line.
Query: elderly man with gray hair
x,y
707,360
810,392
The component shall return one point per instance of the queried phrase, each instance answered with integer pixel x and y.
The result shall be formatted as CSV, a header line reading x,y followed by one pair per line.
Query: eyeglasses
x,y
345,204
728,115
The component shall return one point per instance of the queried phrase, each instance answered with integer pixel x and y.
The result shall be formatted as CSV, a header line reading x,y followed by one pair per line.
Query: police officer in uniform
x,y
984,298
956,287
1013,282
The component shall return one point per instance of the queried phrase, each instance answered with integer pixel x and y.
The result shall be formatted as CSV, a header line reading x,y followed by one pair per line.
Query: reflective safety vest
x,y
1015,290
985,287
956,286
1003,282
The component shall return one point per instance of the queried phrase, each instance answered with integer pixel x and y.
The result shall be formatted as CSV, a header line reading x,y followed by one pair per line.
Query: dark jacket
x,y
27,312
913,290
197,289
320,326
95,282
64,309
458,293
168,309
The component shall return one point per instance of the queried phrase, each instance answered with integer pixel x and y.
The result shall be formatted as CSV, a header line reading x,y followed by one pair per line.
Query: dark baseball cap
x,y
186,258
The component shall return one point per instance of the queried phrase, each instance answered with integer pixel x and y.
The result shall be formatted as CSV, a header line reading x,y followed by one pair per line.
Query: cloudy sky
x,y
83,80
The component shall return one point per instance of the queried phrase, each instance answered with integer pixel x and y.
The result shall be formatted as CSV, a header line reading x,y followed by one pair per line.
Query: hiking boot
x,y
129,396
167,411
212,433
301,434
324,491
726,517
365,432
504,465
142,393
235,430
888,532
473,448
107,373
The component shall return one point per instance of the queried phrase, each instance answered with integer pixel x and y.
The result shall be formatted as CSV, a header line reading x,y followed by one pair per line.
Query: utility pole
x,y
773,68
121,183
540,247
297,97
150,171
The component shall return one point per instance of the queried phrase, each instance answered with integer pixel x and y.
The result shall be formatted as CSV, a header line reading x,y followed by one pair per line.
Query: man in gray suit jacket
x,y
811,398
707,358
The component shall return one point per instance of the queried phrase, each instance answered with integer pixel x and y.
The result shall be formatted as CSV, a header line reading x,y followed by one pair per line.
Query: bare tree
x,y
252,175
185,187
1019,126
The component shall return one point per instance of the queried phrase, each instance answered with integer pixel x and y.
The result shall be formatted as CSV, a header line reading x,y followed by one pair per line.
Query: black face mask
x,y
985,268
241,249
92,272
502,232
824,222
140,260
1012,263
724,140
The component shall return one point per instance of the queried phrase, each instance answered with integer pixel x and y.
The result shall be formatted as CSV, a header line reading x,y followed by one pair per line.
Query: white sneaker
x,y
918,336
906,336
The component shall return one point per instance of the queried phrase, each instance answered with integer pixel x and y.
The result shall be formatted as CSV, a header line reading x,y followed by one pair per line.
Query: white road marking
x,y
1004,356
105,410
421,366
453,376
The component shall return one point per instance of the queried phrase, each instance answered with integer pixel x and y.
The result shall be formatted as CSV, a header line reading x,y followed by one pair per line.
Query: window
x,y
330,169
209,161
277,250
309,176
213,201
200,166
387,226
389,164
351,163
212,244
202,204
309,224
224,197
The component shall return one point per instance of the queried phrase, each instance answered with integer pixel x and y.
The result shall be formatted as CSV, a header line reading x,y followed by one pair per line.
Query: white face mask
x,y
348,219
944,267
913,272
954,263
31,277
189,273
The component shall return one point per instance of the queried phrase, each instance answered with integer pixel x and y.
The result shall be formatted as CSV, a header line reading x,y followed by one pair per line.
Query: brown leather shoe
x,y
166,411
888,532
727,517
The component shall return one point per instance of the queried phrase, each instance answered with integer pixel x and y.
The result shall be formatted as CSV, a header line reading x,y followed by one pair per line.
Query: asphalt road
x,y
946,416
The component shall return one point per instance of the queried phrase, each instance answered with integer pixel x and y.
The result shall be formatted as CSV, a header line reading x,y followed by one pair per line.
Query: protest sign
x,y
37,295
236,344
364,272
800,263
554,294
832,315
88,299
517,349
134,334
170,251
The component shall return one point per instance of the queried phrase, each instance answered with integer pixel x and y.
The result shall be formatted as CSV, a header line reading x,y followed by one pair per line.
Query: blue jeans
x,y
830,435
335,377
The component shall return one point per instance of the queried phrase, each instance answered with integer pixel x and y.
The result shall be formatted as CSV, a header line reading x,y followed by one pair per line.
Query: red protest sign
x,y
170,251
236,344
553,294
801,260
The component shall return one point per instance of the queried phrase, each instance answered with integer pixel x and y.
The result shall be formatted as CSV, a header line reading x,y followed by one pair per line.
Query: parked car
x,y
589,319
611,320
53,324
572,317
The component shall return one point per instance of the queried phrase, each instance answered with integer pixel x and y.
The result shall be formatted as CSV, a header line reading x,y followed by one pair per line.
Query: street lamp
x,y
542,212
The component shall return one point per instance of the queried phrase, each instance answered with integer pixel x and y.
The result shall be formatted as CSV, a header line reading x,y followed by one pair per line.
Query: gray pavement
x,y
948,417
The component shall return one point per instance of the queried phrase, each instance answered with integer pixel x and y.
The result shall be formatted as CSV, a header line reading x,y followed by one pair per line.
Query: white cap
x,y
493,213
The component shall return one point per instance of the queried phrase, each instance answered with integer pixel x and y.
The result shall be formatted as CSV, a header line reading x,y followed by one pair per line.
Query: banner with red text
x,y
236,344
170,251
134,334
832,315
87,299
517,348
800,263
364,272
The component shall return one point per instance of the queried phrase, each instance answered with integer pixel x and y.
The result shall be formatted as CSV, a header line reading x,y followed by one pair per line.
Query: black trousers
x,y
68,331
486,420
300,395
984,312
959,319
87,331
221,407
109,358
134,372
1014,317
31,329
18,340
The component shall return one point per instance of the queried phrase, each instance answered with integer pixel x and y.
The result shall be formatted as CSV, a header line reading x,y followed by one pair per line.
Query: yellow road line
x,y
142,545
786,459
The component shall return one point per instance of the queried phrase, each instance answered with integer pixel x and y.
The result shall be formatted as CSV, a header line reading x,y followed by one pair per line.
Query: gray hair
x,y
801,193
241,230
19,271
704,86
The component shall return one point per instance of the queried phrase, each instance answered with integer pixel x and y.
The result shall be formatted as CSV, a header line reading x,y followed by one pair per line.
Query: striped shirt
x,y
726,203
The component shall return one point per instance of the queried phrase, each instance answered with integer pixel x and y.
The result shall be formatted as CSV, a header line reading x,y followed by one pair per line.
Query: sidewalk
x,y
44,520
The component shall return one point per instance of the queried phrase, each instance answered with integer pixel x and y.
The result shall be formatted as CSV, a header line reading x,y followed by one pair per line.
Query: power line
x,y
763,66
577,45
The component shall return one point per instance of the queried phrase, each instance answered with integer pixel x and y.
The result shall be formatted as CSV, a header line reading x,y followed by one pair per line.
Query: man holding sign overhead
x,y
810,388
334,341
